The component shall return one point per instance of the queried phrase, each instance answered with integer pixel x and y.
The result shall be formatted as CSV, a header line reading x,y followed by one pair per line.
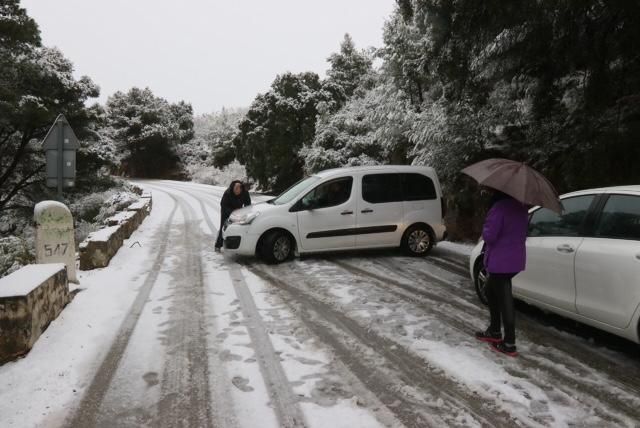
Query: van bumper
x,y
238,240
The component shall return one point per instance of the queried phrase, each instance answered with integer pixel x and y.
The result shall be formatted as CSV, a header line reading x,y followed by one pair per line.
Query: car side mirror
x,y
301,205
309,204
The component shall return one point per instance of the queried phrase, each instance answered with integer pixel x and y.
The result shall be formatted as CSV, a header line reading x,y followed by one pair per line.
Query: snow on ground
x,y
23,282
42,388
326,401
461,248
347,340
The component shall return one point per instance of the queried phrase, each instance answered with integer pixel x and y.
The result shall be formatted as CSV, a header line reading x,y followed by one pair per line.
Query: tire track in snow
x,y
283,399
186,397
536,332
570,382
568,377
89,409
394,371
223,410
400,405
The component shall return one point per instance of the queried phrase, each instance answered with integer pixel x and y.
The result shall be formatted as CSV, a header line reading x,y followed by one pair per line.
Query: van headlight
x,y
243,219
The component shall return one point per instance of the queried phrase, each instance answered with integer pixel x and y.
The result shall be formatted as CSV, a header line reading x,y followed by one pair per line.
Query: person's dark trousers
x,y
501,306
220,241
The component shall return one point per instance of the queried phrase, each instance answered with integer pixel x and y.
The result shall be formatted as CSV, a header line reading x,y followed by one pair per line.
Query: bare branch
x,y
23,183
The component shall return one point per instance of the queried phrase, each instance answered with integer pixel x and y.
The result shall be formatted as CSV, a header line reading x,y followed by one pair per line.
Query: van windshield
x,y
295,190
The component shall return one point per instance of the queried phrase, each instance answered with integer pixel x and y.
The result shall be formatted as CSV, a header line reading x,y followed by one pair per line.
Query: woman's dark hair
x,y
498,196
233,184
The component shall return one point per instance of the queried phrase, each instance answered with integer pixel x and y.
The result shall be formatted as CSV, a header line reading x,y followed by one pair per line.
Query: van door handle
x,y
346,213
638,256
366,211
566,248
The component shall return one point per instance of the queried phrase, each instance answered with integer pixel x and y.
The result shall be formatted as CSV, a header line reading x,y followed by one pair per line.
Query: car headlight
x,y
244,218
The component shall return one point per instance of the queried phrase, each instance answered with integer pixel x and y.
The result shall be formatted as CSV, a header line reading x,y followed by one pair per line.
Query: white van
x,y
343,209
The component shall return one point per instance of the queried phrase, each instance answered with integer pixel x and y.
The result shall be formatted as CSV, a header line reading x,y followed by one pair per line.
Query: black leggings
x,y
219,240
501,305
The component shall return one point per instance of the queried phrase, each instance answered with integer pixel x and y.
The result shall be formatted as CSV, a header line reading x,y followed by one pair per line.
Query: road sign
x,y
60,146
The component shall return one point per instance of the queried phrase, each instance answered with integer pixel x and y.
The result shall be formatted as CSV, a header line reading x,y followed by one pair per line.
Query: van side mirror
x,y
307,204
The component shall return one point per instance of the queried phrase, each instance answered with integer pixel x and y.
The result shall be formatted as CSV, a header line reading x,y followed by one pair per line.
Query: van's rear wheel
x,y
276,247
417,241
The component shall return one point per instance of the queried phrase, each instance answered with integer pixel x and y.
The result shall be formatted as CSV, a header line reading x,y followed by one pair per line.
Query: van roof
x,y
376,168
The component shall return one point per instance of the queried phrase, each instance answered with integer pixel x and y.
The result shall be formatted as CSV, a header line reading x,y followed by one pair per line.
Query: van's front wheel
x,y
417,241
276,247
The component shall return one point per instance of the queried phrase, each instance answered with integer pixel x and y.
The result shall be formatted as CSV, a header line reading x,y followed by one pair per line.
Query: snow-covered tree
x,y
278,124
349,68
36,84
148,130
370,129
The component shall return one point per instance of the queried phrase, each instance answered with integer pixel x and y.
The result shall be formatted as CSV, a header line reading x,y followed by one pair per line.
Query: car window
x,y
293,191
620,218
381,188
418,187
545,222
329,194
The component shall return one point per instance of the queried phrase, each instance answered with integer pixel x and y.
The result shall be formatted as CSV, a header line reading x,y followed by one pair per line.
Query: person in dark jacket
x,y
235,197
504,234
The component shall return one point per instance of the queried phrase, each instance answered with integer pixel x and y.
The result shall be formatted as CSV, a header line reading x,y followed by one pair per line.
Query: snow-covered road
x,y
173,334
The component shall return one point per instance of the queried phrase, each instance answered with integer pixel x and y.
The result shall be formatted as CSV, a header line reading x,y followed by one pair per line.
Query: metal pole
x,y
60,159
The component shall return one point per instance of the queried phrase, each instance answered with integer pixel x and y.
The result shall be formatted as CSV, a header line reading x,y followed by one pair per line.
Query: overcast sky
x,y
212,53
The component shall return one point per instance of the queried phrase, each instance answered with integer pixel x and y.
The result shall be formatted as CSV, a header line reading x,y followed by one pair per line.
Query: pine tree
x,y
148,130
349,67
36,84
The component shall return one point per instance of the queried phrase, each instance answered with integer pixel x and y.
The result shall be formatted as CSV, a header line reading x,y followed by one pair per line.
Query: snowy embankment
x,y
40,389
90,212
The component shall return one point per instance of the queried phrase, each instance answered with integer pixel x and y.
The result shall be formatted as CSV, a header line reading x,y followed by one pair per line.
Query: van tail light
x,y
443,204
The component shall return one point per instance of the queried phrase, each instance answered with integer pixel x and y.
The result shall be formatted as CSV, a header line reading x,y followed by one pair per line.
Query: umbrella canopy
x,y
518,180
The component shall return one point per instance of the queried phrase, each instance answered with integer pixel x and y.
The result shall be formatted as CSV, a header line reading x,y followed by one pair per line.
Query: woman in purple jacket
x,y
504,234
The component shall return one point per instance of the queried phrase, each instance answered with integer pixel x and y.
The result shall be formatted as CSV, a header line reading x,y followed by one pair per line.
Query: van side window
x,y
381,188
620,218
418,187
545,222
329,194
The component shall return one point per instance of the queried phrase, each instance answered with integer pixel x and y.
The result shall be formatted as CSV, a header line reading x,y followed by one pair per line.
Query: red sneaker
x,y
489,336
503,348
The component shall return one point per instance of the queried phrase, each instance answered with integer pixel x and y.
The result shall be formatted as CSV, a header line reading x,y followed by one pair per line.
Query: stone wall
x,y
99,248
30,299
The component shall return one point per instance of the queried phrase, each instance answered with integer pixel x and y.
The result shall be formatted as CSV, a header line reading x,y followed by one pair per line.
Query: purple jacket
x,y
505,234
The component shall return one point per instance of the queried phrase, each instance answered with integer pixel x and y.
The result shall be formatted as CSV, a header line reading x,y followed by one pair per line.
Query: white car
x,y
584,264
343,209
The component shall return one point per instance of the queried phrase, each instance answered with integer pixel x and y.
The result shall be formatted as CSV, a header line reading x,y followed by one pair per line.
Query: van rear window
x,y
385,188
418,187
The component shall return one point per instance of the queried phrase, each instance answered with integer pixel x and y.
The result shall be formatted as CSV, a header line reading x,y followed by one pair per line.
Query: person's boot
x,y
505,348
489,336
218,249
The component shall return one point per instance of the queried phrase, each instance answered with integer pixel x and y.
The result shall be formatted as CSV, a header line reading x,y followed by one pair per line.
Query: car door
x,y
552,243
380,210
608,264
421,202
327,216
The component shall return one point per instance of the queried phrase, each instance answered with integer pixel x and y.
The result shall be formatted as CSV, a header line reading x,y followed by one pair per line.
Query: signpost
x,y
60,146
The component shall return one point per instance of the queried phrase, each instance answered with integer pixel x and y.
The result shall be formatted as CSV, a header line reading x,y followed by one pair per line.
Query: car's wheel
x,y
276,247
480,281
417,241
